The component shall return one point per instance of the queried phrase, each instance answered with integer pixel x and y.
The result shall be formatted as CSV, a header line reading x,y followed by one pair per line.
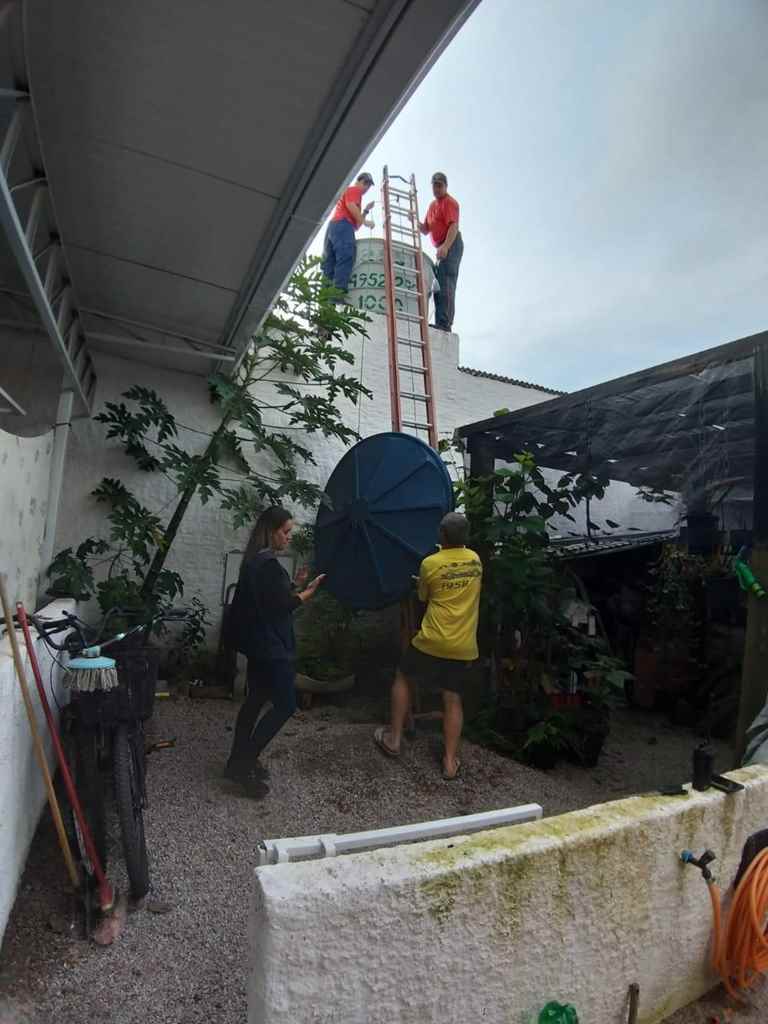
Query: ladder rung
x,y
405,210
413,396
416,426
406,291
399,192
411,368
402,245
413,318
409,341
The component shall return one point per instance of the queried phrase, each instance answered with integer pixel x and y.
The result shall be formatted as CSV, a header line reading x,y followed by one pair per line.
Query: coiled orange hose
x,y
740,947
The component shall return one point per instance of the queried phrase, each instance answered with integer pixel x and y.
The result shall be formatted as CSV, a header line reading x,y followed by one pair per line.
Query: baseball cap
x,y
439,176
366,177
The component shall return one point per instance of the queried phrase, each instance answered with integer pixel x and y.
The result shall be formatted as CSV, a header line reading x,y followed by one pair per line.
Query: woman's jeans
x,y
339,253
447,276
268,682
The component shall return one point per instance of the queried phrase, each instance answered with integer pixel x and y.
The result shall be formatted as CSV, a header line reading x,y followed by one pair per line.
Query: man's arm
x,y
354,211
442,250
423,585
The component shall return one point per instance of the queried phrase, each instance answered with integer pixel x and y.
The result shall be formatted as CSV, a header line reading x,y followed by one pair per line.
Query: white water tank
x,y
366,285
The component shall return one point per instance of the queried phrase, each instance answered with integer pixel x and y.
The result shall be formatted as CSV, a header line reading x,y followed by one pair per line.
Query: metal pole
x,y
15,405
61,431
156,328
754,682
20,247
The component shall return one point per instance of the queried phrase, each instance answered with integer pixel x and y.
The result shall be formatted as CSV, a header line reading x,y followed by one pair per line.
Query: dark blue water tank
x,y
386,498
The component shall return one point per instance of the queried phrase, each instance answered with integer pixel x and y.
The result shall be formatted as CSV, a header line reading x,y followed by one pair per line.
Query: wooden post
x,y
482,462
754,673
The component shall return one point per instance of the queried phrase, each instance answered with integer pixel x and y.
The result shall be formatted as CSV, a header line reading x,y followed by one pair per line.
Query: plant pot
x,y
541,756
306,684
566,700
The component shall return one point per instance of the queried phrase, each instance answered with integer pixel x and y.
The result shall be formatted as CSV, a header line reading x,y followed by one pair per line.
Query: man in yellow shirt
x,y
443,651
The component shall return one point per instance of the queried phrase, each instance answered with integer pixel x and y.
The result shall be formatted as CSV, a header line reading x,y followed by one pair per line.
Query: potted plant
x,y
547,742
330,644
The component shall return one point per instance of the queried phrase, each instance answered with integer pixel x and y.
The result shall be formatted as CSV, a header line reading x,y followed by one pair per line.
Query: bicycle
x,y
103,729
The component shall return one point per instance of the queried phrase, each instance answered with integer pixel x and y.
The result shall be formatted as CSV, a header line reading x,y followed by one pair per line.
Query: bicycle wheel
x,y
81,749
129,799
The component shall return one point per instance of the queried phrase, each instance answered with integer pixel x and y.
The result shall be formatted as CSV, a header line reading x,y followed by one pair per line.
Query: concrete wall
x,y
22,791
24,473
205,535
489,928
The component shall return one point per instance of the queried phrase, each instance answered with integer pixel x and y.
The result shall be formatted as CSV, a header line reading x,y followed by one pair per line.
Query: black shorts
x,y
434,674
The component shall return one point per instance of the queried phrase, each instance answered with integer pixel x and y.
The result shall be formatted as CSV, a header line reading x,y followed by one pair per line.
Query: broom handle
x,y
106,898
37,741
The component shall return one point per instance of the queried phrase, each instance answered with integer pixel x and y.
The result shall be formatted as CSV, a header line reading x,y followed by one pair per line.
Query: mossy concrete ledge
x,y
485,929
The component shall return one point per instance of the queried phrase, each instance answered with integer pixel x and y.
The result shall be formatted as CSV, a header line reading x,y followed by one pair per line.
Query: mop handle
x,y
106,897
37,741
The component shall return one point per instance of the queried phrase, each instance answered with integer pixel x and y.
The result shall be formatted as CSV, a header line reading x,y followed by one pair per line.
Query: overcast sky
x,y
610,158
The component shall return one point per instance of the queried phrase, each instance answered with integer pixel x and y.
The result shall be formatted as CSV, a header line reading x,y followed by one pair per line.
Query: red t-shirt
x,y
354,194
440,215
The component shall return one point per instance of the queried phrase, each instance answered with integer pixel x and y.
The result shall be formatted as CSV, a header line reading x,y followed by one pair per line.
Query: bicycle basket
x,y
134,698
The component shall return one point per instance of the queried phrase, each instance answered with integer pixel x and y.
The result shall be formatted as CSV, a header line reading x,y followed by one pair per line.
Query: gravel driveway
x,y
182,960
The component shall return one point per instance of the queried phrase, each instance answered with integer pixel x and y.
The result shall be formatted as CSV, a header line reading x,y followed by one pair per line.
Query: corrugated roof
x,y
582,547
509,380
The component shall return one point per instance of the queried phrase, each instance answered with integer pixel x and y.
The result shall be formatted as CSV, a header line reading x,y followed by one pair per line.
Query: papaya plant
x,y
293,369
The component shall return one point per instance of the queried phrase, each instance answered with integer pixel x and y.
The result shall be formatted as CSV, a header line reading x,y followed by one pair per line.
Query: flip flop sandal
x,y
378,739
450,777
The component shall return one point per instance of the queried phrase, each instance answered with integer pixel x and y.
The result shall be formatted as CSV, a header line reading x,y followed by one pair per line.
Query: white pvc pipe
x,y
61,430
280,851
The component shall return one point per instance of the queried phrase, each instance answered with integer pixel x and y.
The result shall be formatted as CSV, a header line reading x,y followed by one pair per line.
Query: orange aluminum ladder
x,y
410,366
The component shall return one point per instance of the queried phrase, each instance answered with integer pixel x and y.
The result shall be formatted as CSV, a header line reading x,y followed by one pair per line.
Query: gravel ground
x,y
188,964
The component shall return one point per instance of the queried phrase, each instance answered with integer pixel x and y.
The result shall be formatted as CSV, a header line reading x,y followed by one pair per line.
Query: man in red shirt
x,y
442,223
340,248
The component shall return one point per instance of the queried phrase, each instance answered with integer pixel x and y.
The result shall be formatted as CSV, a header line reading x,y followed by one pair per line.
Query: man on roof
x,y
442,223
340,248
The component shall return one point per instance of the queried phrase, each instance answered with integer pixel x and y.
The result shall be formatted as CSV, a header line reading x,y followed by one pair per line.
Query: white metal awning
x,y
167,163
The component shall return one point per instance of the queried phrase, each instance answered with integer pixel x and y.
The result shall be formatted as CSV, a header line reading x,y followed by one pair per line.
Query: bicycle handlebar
x,y
47,628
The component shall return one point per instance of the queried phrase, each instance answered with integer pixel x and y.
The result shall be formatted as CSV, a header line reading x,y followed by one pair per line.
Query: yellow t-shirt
x,y
450,582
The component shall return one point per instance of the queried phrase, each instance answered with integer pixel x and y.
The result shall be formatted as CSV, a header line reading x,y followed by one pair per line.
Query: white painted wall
x,y
22,791
25,464
205,535
489,928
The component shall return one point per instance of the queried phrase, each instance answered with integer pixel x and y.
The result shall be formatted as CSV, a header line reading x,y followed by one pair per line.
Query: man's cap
x,y
439,176
366,177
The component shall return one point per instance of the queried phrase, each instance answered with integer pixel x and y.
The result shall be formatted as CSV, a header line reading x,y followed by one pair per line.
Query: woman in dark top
x,y
262,629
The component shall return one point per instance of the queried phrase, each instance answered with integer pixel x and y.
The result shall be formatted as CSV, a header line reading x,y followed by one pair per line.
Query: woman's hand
x,y
309,590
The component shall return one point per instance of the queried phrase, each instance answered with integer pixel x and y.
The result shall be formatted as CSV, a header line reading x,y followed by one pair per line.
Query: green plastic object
x,y
558,1013
746,578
